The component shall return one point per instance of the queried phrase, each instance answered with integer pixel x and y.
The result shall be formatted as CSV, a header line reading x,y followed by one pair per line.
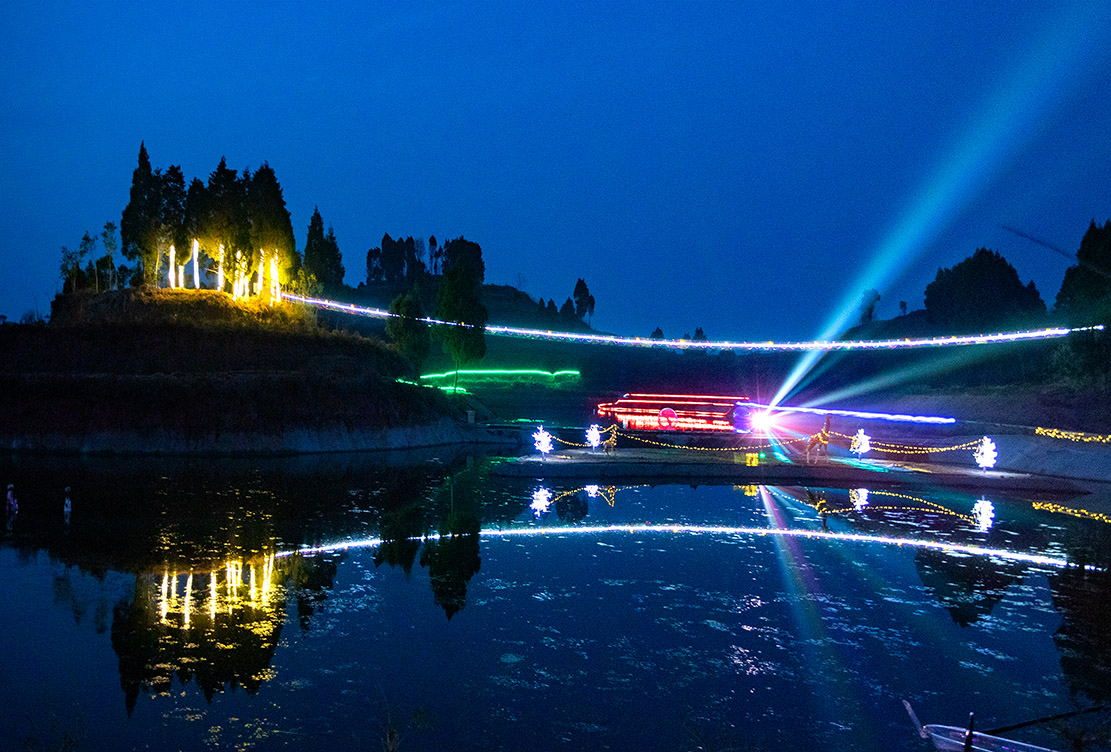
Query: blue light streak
x,y
891,417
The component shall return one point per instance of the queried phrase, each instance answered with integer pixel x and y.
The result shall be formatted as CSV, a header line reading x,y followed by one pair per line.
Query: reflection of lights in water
x,y
259,584
541,501
188,598
985,453
983,512
516,532
859,498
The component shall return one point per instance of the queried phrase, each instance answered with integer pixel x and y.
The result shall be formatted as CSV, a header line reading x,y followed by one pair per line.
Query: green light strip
x,y
502,372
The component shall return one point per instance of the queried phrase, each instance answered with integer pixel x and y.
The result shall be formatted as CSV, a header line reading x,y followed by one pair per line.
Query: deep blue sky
x,y
748,168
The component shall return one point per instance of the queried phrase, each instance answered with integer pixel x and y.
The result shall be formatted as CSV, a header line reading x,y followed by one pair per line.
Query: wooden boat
x,y
952,739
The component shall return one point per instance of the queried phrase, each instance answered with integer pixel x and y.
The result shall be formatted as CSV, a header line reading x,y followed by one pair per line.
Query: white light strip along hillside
x,y
685,344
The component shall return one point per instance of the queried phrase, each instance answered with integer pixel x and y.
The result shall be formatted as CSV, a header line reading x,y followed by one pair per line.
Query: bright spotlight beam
x,y
1036,87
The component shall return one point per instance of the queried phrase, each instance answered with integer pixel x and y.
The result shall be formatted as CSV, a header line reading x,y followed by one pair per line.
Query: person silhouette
x,y
13,506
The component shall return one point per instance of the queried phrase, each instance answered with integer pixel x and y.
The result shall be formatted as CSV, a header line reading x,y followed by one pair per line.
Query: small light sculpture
x,y
861,444
985,453
983,514
543,440
859,498
593,436
173,268
592,491
541,501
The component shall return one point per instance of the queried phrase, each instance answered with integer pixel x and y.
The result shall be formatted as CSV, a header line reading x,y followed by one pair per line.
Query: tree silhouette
x,y
982,292
322,257
1085,293
271,229
584,301
459,300
407,331
138,223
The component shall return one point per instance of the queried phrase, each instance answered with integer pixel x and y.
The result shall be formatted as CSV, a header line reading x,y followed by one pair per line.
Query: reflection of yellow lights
x,y
252,568
188,597
1083,514
165,589
212,596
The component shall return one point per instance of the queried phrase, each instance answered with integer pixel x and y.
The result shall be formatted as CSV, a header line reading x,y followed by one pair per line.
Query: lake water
x,y
178,609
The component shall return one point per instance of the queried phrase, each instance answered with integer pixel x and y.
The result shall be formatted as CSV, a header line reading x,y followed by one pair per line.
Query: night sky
x,y
749,168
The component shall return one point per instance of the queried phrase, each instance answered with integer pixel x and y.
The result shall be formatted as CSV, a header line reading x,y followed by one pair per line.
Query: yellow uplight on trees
x,y
275,288
173,267
196,276
220,269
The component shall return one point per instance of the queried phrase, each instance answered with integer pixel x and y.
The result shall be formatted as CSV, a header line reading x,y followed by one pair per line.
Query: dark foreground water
x,y
177,610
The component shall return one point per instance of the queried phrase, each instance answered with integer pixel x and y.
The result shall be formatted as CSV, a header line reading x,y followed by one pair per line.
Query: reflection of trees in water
x,y
218,628
452,560
1084,638
967,586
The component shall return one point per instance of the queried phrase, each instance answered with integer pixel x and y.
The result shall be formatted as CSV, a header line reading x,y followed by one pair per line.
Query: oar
x,y
914,719
1059,716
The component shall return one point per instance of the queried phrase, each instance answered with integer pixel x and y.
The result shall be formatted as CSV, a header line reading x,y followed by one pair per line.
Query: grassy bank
x,y
196,364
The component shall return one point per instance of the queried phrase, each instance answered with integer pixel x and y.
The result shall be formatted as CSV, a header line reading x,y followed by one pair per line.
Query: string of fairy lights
x,y
984,449
684,344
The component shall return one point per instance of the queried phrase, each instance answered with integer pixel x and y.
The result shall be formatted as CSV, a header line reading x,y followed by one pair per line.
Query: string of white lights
x,y
684,344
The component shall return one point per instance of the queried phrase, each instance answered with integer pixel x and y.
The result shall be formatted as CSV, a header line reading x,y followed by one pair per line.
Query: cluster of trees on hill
x,y
218,233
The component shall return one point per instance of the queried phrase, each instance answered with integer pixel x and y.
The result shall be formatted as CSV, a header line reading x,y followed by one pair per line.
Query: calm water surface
x,y
178,610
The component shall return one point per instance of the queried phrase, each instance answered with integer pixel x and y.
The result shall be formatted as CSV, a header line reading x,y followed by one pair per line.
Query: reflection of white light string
x,y
683,344
515,532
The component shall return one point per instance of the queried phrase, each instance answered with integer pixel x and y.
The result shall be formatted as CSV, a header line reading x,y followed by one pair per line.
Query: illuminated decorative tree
x,y
593,436
543,441
985,453
861,443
